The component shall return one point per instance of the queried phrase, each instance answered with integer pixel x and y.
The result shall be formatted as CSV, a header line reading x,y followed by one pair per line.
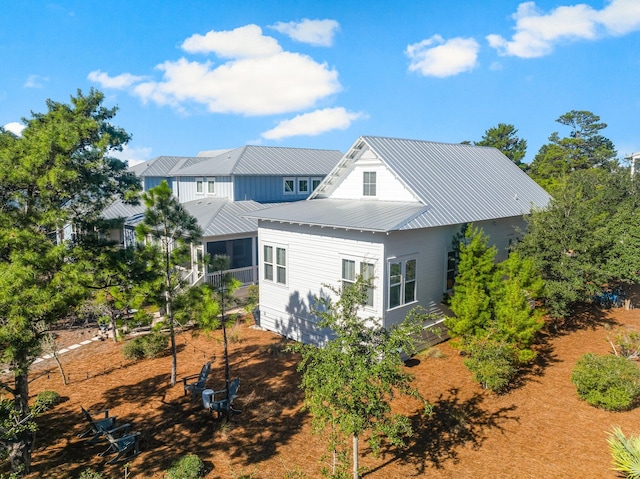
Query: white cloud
x,y
259,78
132,156
118,82
439,58
243,42
15,128
315,32
313,123
537,33
35,81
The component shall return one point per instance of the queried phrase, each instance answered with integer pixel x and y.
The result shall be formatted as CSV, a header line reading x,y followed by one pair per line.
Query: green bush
x,y
148,346
46,400
625,453
90,474
493,363
154,344
187,467
608,382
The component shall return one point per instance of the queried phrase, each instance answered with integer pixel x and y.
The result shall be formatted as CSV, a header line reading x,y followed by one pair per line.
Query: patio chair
x,y
196,387
220,406
121,442
97,427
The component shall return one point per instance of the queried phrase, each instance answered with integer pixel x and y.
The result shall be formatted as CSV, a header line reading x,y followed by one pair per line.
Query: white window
x,y
451,271
348,273
315,182
402,282
211,186
369,183
268,263
281,265
367,271
303,185
289,186
199,185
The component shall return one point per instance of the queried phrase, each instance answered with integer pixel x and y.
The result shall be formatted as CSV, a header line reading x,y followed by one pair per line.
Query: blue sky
x,y
200,75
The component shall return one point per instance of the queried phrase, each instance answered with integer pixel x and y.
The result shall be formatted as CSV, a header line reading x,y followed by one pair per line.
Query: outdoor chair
x,y
220,406
121,442
196,387
97,427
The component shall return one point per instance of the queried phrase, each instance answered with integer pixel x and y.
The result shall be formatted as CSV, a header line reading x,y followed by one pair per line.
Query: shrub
x,y
626,343
187,467
148,346
133,349
625,453
153,344
90,474
493,363
608,382
46,400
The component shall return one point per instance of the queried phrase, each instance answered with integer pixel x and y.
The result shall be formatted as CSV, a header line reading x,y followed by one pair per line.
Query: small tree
x,y
350,381
173,231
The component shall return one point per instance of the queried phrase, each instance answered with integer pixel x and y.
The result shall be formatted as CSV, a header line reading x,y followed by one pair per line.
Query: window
x,y
268,263
199,185
289,186
303,185
369,183
402,282
348,273
211,185
314,183
451,270
281,262
367,271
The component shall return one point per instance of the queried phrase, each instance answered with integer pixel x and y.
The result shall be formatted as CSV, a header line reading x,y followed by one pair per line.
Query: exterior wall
x,y
186,190
153,181
314,259
269,189
388,187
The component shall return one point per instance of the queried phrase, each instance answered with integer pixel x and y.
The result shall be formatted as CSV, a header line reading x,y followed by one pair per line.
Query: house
x,y
219,187
388,210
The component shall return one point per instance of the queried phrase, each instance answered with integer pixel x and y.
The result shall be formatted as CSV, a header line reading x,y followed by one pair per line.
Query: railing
x,y
248,275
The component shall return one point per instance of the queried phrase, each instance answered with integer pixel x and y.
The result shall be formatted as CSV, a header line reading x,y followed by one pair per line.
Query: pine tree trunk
x,y
355,457
20,450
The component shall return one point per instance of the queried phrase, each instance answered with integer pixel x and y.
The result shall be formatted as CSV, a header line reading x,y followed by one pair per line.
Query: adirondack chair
x,y
196,387
220,406
121,442
97,427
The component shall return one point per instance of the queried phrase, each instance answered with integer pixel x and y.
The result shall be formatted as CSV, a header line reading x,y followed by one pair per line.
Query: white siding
x,y
388,187
314,259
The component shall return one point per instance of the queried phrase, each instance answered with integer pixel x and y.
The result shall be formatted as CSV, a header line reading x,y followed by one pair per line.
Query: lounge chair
x,y
121,442
220,406
196,387
97,427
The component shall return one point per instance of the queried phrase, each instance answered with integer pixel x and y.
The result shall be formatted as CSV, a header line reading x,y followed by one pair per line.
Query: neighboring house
x,y
388,210
220,187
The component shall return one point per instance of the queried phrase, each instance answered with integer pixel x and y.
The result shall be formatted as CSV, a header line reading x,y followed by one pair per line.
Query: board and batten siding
x,y
268,189
153,181
314,259
187,188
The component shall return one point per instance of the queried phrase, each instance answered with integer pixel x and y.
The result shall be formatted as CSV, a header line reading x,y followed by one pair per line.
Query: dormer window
x,y
200,185
303,185
211,186
289,186
369,183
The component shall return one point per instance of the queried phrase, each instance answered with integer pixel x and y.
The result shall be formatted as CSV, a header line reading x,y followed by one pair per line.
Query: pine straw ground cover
x,y
540,429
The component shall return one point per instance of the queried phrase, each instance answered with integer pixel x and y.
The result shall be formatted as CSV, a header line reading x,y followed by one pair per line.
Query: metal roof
x,y
460,183
377,216
454,183
266,161
164,166
220,216
132,214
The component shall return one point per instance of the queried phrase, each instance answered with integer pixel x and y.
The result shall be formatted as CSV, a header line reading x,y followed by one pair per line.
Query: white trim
x,y
292,179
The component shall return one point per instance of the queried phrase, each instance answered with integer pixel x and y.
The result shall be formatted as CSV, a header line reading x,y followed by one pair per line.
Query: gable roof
x,y
216,216
267,160
246,160
454,184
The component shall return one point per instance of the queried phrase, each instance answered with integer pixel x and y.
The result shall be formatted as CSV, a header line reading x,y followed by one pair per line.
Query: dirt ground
x,y
540,429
